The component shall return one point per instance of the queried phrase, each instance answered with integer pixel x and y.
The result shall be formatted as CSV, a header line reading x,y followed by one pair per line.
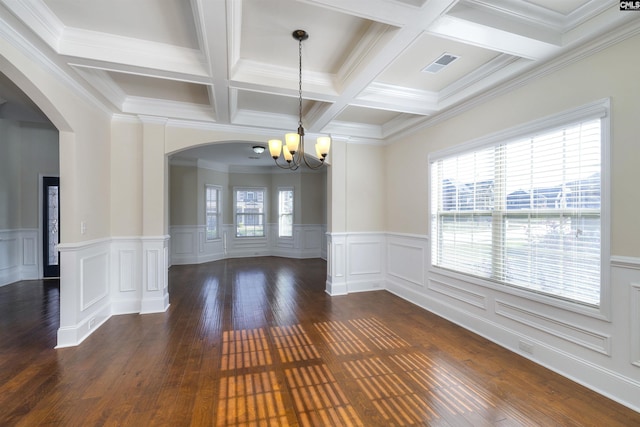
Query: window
x,y
250,211
525,212
212,212
285,212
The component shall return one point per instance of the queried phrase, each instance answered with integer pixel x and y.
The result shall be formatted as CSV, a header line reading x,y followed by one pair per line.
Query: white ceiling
x,y
234,62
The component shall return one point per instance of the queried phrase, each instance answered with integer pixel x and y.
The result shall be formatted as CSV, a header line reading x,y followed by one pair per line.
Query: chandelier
x,y
293,149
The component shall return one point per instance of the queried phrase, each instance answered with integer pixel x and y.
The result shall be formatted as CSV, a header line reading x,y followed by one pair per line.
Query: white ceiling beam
x,y
384,11
115,49
400,99
164,108
491,37
137,70
211,22
371,66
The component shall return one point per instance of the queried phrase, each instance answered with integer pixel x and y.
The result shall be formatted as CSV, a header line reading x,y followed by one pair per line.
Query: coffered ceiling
x,y
234,63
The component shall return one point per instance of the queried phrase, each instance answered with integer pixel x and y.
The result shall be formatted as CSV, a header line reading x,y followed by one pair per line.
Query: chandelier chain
x,y
300,82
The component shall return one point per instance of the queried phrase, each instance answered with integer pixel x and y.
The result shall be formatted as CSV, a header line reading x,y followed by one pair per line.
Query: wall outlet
x,y
525,346
92,322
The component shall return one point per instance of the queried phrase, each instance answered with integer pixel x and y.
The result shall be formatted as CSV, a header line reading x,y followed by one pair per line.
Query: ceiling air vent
x,y
437,65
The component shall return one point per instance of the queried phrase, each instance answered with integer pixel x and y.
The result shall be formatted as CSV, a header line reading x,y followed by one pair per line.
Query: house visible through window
x,y
525,212
285,212
250,212
212,212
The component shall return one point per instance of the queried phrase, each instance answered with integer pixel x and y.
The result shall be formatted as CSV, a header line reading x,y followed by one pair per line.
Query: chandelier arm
x,y
317,166
286,166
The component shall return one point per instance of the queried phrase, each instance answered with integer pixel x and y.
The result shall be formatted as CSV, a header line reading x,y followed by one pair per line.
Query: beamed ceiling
x,y
234,63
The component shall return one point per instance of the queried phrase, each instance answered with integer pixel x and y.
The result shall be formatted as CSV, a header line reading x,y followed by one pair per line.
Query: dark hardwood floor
x,y
258,342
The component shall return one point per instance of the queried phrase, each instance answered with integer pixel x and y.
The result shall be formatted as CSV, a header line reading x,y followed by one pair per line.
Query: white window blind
x,y
212,212
524,213
285,213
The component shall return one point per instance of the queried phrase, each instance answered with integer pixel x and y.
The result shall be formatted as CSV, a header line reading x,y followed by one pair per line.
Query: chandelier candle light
x,y
293,150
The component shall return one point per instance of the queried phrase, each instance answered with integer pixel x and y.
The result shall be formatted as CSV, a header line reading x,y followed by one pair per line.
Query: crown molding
x,y
153,107
37,16
9,34
151,120
125,118
104,84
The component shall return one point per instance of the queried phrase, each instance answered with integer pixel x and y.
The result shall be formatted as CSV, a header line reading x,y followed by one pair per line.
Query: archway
x,y
30,151
226,168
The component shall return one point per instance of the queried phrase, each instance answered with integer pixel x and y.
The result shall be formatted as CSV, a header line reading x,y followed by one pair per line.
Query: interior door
x,y
50,226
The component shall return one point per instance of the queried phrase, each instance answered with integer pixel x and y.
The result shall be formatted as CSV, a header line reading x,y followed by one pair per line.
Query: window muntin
x,y
212,212
285,212
524,213
250,212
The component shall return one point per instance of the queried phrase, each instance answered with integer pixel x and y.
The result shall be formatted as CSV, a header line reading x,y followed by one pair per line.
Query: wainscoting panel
x,y
336,262
458,293
155,296
311,238
553,326
355,262
365,262
634,339
85,301
152,264
94,278
406,259
189,244
18,255
126,275
9,255
127,270
29,267
184,244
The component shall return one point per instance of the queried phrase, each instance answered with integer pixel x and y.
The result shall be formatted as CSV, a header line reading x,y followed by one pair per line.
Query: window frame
x,y
263,215
280,214
217,214
599,109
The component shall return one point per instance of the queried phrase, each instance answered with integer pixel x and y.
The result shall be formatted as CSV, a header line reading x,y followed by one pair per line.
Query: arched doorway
x,y
228,171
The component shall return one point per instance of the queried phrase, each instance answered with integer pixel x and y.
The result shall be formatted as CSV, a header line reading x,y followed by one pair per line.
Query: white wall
x,y
598,349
